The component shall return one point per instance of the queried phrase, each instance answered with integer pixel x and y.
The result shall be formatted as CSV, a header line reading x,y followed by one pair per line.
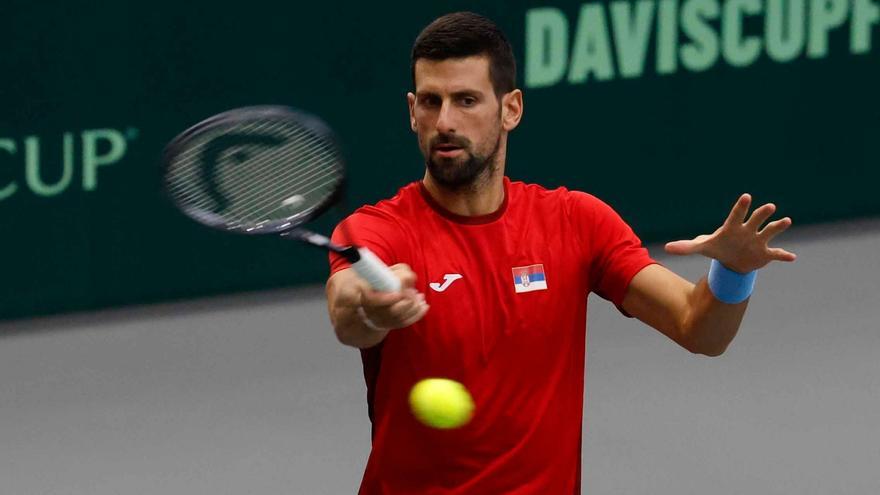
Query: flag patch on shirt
x,y
529,278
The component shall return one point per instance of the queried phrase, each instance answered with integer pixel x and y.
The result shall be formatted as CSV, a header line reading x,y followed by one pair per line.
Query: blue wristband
x,y
729,286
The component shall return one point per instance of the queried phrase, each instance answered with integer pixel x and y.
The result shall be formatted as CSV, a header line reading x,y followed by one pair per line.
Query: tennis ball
x,y
441,403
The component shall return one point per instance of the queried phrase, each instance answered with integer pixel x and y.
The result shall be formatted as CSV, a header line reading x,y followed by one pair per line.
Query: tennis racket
x,y
265,170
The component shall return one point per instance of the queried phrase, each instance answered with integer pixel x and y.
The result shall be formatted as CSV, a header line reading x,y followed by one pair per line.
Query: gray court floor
x,y
252,394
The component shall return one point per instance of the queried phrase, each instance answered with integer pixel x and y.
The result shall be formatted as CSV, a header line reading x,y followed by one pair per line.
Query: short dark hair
x,y
465,34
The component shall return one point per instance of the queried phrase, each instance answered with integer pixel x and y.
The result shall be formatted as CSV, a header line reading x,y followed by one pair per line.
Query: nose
x,y
445,120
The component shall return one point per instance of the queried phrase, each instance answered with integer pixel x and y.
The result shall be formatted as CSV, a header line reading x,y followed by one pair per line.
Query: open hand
x,y
739,244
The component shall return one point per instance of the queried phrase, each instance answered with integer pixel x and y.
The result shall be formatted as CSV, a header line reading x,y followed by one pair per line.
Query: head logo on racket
x,y
217,149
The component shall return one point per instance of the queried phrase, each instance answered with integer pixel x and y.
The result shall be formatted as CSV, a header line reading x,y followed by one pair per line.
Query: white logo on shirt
x,y
447,281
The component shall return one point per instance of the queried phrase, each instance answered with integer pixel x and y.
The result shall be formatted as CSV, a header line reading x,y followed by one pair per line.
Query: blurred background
x,y
142,353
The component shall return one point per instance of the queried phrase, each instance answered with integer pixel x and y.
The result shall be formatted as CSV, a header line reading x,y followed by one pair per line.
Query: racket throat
x,y
350,253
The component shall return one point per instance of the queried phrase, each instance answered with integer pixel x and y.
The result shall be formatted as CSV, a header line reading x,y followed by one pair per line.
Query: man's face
x,y
457,118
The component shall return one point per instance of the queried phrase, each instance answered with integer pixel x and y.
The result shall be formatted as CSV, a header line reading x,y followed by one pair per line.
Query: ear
x,y
411,102
511,109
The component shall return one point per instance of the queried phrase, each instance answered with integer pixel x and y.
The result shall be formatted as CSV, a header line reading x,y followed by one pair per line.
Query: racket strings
x,y
284,155
271,184
303,151
310,174
256,198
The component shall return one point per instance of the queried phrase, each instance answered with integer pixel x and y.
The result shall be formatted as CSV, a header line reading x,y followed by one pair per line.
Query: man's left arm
x,y
692,315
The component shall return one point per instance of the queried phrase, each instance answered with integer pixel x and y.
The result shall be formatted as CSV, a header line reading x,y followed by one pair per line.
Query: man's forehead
x,y
453,74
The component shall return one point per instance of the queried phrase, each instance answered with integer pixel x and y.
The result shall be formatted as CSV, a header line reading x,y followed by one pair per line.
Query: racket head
x,y
255,170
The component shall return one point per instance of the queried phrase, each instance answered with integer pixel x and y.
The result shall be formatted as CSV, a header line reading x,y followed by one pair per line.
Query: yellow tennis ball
x,y
441,403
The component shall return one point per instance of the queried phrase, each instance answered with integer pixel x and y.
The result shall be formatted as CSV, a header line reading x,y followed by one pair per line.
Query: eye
x,y
468,101
430,100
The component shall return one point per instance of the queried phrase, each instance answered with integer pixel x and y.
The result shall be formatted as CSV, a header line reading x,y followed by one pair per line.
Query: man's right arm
x,y
362,317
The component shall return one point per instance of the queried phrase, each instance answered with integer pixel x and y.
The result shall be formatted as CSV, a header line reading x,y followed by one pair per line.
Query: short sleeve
x,y
367,227
613,252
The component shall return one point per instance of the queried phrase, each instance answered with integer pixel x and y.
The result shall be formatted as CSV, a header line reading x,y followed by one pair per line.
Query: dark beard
x,y
465,175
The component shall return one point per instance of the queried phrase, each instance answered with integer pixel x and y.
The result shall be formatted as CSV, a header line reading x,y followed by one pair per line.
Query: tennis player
x,y
496,275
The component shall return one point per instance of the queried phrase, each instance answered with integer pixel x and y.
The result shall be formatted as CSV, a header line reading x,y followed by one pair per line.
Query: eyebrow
x,y
457,94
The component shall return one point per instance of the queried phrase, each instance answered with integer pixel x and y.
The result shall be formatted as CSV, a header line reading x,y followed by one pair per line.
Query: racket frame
x,y
179,143
363,261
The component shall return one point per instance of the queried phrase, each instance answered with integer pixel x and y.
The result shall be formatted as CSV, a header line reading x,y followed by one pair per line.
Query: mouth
x,y
447,150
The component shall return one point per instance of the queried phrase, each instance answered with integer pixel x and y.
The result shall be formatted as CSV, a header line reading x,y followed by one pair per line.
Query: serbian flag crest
x,y
529,278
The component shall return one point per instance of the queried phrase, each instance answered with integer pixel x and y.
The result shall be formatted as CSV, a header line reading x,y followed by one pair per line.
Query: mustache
x,y
458,141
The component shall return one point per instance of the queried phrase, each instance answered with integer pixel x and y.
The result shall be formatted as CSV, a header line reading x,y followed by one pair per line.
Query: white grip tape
x,y
371,269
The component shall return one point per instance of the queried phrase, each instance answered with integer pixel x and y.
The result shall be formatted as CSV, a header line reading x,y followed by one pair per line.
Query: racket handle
x,y
371,269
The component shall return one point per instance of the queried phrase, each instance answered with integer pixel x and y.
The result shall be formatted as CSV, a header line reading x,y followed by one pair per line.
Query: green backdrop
x,y
659,107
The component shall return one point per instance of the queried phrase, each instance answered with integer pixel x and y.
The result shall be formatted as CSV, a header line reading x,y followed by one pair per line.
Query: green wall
x,y
665,109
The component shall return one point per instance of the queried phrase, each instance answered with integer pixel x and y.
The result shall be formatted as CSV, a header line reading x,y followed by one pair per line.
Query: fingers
x,y
400,309
739,242
375,299
680,248
395,309
411,305
740,210
406,305
760,216
780,254
420,312
410,310
405,274
686,247
773,229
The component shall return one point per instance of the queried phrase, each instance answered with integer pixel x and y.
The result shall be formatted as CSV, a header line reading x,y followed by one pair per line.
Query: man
x,y
506,268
